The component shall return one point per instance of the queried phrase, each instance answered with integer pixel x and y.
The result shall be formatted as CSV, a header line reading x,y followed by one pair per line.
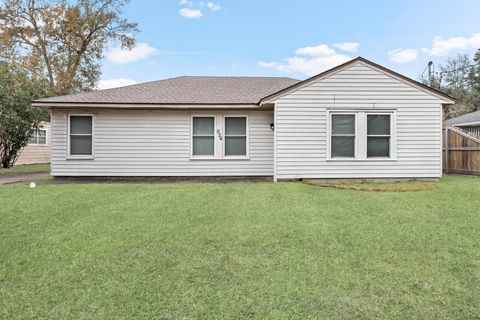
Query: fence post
x,y
446,150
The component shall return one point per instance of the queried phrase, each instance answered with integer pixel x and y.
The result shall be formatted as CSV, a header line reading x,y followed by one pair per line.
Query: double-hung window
x,y
219,136
80,135
203,139
378,135
39,136
343,136
361,135
235,136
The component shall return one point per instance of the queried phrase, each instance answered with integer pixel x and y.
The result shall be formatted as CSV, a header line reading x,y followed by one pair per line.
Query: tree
x,y
62,40
455,79
459,77
17,116
475,78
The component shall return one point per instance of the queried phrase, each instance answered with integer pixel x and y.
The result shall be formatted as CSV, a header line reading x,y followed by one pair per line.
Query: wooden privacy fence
x,y
461,152
472,130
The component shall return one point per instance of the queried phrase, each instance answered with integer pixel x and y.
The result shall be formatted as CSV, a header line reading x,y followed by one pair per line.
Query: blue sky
x,y
288,38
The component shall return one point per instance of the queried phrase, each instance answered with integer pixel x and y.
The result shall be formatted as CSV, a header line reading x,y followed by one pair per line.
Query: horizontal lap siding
x,y
301,125
157,143
36,153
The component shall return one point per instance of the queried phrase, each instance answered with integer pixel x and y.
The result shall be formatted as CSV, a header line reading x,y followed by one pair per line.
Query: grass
x,y
27,168
243,250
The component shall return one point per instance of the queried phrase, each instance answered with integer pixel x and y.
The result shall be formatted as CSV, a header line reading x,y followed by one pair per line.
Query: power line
x,y
431,72
462,68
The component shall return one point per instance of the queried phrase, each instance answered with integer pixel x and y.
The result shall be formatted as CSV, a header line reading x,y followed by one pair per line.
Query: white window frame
x,y
219,143
80,156
378,135
361,134
39,144
192,156
343,135
247,147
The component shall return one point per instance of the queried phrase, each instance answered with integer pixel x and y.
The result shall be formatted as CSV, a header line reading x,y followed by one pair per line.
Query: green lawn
x,y
27,168
241,250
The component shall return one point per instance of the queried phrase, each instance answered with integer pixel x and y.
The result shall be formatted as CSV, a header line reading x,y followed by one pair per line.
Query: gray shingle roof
x,y
185,90
466,118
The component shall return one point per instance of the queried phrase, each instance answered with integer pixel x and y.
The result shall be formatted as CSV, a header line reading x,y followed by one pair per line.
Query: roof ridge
x,y
171,78
254,77
183,89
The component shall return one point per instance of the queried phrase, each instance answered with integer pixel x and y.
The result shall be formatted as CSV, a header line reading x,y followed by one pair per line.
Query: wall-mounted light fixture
x,y
272,126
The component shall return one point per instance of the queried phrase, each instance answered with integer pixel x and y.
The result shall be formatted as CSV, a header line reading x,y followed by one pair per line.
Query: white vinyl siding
x,y
158,143
37,153
302,137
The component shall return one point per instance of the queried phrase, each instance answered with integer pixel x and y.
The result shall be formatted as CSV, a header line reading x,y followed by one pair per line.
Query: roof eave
x,y
463,124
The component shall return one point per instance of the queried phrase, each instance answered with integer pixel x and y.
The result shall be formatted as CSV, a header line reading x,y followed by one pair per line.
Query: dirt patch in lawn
x,y
400,186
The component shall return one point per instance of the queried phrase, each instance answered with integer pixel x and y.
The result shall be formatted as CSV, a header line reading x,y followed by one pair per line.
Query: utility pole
x,y
431,71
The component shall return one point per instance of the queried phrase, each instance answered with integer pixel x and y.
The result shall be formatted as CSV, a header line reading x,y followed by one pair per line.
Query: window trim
x,y
361,134
80,156
192,156
219,146
355,135
378,136
247,144
39,144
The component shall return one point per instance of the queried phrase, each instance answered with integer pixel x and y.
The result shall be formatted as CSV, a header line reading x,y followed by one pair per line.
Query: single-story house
x,y
38,148
470,123
357,120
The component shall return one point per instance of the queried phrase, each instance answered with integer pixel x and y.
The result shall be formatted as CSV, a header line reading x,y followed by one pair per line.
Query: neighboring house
x,y
470,123
357,120
38,149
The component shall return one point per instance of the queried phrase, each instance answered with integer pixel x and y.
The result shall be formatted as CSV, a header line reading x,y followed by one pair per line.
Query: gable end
x,y
445,99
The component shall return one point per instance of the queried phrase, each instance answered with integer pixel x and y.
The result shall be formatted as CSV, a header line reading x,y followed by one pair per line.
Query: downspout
x,y
275,128
447,150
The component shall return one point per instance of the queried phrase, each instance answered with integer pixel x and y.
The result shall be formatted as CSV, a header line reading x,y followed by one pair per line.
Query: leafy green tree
x,y
62,40
17,116
455,79
475,78
460,78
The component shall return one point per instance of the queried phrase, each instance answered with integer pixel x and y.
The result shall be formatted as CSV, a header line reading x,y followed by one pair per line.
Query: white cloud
x,y
213,6
441,46
141,51
114,83
309,60
347,46
268,65
401,55
191,13
193,9
316,51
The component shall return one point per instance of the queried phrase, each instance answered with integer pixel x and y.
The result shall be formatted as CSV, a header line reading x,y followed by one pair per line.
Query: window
x,y
81,135
378,135
235,136
39,136
219,136
203,136
362,135
343,136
